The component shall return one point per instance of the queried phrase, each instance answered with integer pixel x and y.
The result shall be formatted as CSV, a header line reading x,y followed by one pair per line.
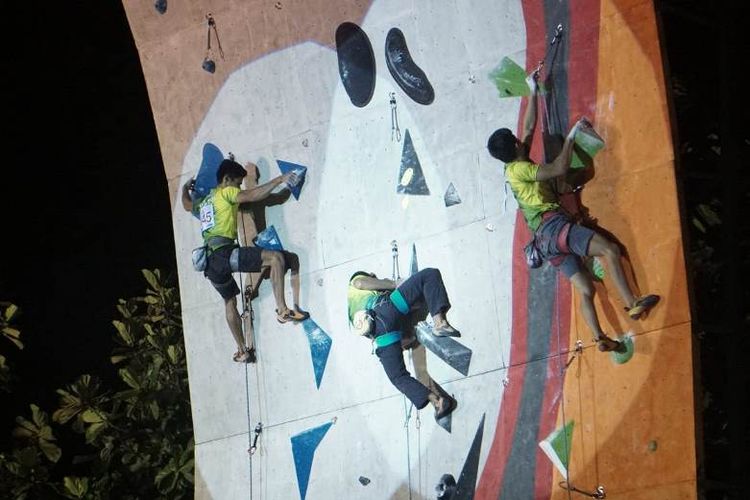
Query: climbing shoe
x,y
447,405
606,344
642,305
356,63
445,331
404,70
291,315
245,356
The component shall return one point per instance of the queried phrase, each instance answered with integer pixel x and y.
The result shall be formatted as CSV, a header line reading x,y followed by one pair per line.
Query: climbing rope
x,y
249,313
562,378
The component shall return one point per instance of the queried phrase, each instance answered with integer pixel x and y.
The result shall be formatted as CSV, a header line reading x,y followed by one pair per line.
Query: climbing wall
x,y
387,106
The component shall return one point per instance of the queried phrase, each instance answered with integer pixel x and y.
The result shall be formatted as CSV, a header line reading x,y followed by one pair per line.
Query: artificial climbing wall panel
x,y
310,83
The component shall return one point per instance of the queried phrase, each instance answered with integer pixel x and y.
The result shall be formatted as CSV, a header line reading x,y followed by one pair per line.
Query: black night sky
x,y
88,204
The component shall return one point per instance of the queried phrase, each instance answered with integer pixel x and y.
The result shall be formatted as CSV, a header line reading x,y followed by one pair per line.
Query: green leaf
x,y
151,278
11,332
154,407
9,312
173,353
39,417
93,431
91,417
150,299
117,359
75,486
50,450
124,332
128,378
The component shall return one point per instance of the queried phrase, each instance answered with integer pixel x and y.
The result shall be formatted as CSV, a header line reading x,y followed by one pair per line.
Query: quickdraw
x,y
599,493
208,63
395,131
254,446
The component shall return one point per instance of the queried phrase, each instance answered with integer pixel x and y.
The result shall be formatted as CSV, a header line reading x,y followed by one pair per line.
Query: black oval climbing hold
x,y
356,63
404,70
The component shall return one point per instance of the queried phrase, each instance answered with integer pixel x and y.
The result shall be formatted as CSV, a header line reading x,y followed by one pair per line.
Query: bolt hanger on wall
x,y
208,63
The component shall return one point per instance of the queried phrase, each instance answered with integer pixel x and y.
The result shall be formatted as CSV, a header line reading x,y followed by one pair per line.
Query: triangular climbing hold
x,y
451,196
510,79
467,481
205,180
320,347
587,144
557,447
414,266
269,239
304,445
301,170
410,177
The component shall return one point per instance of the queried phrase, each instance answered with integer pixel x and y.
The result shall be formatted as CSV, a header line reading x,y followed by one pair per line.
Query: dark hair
x,y
502,145
359,273
230,168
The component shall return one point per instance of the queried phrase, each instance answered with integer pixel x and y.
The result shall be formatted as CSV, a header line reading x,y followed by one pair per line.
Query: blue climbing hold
x,y
301,170
320,347
304,445
268,239
205,181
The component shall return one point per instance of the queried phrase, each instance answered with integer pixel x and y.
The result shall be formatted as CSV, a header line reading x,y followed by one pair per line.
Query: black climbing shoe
x,y
404,70
642,305
447,405
445,331
356,63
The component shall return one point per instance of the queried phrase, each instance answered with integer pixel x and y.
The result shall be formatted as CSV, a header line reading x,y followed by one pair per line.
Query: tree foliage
x,y
137,434
8,312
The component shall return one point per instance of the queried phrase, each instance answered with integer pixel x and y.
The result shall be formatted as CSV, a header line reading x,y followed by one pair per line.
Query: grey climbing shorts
x,y
563,242
226,260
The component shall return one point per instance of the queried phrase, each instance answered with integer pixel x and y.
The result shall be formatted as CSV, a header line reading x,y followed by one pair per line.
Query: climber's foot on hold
x,y
290,315
445,406
606,344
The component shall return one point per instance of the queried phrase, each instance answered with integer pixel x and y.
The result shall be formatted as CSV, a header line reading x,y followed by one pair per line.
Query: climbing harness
x,y
254,446
598,493
395,131
208,63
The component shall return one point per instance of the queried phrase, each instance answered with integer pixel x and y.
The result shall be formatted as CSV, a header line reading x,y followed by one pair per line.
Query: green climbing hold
x,y
510,79
588,143
625,352
557,447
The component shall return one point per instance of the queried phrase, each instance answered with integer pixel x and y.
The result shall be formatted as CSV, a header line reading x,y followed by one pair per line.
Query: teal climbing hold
x,y
625,351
